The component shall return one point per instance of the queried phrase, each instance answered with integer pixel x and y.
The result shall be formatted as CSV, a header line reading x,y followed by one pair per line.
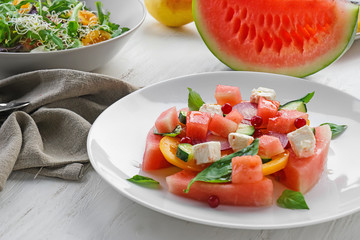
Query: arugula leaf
x,y
100,12
5,1
194,100
73,24
174,133
220,171
40,7
60,5
48,35
57,41
4,31
292,200
144,181
335,129
119,31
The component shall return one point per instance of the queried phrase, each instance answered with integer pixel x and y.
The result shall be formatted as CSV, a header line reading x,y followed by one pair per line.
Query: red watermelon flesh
x,y
246,169
241,194
167,121
222,126
153,159
301,174
292,37
197,124
269,146
284,122
235,116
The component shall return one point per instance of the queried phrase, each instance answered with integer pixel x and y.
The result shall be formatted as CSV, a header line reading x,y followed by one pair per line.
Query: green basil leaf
x,y
174,133
292,200
194,100
335,129
308,97
144,181
220,171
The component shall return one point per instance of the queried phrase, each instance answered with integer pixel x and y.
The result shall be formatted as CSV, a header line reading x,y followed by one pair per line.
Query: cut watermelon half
x,y
291,37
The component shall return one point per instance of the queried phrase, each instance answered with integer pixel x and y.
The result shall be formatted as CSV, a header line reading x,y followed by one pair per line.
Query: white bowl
x,y
126,13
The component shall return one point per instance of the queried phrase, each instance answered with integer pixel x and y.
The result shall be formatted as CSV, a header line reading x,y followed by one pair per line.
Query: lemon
x,y
172,13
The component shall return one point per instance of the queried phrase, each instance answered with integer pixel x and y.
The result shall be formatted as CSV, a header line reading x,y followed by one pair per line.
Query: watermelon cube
x,y
227,94
153,159
267,109
246,169
284,122
197,125
167,121
235,116
222,126
269,146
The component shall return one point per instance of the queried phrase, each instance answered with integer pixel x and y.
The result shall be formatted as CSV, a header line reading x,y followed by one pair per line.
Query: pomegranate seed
x,y
226,108
256,121
300,122
186,140
213,201
257,133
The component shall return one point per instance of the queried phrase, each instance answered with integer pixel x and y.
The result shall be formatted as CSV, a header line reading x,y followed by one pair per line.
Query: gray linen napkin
x,y
48,137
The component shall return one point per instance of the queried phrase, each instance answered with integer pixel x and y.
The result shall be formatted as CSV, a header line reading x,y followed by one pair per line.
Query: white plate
x,y
116,144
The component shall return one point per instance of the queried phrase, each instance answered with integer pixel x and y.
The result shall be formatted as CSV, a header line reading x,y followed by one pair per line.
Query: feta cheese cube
x,y
267,93
207,152
211,108
239,141
302,141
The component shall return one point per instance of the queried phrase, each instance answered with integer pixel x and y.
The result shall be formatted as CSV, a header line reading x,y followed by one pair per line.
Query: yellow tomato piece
x,y
24,8
168,147
95,36
87,18
277,163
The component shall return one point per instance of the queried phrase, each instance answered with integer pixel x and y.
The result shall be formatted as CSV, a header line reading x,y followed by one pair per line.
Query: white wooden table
x,y
45,208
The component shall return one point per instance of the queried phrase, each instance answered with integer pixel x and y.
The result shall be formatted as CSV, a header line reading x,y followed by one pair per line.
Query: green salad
x,y
50,25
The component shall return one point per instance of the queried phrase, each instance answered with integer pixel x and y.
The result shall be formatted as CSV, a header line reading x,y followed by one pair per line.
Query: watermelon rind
x,y
349,13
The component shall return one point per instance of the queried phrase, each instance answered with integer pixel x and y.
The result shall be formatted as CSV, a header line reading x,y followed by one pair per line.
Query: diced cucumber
x,y
245,129
299,104
295,105
185,151
182,116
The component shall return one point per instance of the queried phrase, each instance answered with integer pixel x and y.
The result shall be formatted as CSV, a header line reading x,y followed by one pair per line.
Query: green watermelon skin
x,y
290,37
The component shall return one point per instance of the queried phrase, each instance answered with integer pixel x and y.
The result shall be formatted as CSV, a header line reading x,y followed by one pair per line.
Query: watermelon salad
x,y
231,151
